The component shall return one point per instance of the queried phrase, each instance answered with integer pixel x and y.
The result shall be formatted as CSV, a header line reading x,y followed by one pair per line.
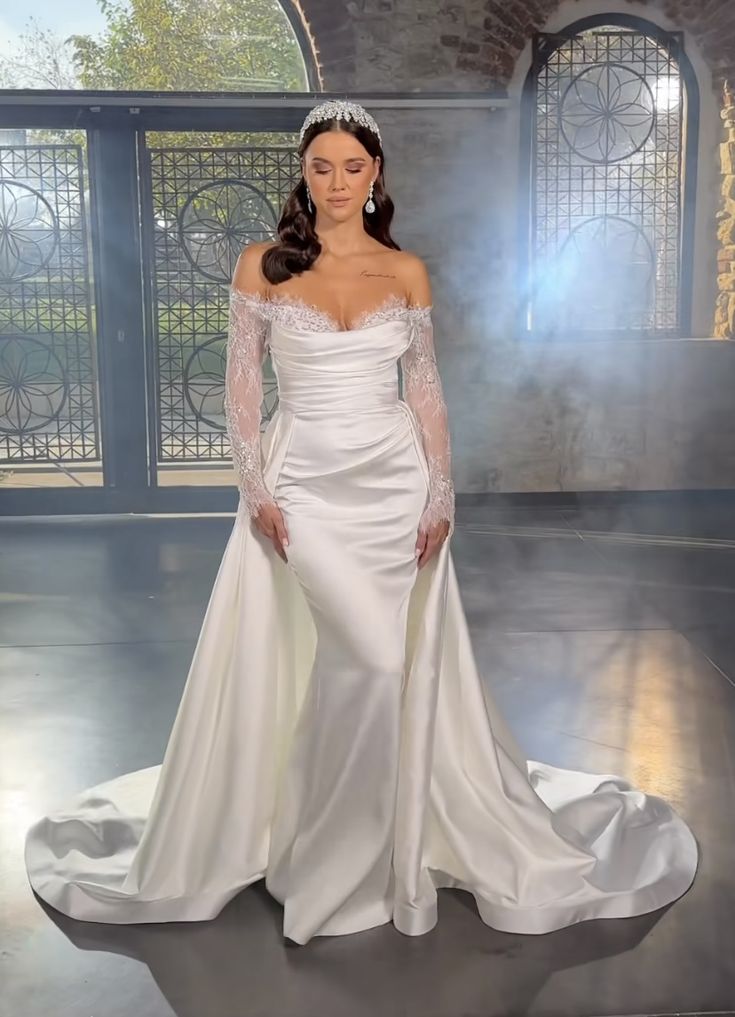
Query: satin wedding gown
x,y
333,736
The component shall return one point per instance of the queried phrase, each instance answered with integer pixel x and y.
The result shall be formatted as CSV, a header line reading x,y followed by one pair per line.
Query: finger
x,y
279,550
427,552
421,538
421,546
281,531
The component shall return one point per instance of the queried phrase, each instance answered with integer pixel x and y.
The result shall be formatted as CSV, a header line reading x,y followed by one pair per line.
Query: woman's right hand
x,y
269,521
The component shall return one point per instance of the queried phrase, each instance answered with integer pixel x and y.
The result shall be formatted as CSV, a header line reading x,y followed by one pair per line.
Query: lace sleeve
x,y
246,347
422,390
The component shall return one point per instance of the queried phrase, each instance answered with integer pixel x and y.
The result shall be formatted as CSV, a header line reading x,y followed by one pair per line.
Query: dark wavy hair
x,y
298,246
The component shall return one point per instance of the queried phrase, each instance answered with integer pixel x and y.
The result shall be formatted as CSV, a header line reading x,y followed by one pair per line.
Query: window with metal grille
x,y
611,126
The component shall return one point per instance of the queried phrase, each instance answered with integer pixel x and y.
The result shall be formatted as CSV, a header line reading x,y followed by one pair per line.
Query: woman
x,y
333,737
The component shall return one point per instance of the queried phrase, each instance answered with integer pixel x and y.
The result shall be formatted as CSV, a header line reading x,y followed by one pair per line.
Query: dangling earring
x,y
308,197
370,204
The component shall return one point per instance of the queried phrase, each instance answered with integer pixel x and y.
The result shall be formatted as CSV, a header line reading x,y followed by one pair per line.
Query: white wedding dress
x,y
333,736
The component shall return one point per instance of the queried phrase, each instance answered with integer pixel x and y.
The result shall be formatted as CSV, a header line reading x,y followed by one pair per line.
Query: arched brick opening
x,y
479,43
711,25
640,27
293,10
485,37
328,28
507,27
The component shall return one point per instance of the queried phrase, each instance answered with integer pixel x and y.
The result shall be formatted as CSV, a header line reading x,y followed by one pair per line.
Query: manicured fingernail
x,y
285,541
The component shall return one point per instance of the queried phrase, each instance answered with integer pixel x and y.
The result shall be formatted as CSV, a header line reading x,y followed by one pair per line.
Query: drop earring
x,y
370,204
308,199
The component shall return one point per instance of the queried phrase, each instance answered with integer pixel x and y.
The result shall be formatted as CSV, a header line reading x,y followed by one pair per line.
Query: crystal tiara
x,y
340,109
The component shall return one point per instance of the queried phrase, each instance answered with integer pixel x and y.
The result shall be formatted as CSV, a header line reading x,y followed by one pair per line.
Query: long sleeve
x,y
422,390
246,348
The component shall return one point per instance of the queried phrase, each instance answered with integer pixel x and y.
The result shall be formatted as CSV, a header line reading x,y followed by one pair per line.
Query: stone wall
x,y
725,314
469,44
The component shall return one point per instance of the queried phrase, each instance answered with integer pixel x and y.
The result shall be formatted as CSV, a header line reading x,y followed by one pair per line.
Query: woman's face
x,y
338,170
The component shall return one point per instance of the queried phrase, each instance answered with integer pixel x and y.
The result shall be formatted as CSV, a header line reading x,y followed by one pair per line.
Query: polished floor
x,y
606,634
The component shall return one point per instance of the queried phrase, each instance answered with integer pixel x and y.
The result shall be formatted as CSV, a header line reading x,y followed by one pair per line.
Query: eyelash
x,y
322,172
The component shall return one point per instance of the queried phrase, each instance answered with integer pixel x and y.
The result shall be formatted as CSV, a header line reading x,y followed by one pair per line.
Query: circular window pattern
x,y
28,231
33,387
607,113
608,262
204,385
218,220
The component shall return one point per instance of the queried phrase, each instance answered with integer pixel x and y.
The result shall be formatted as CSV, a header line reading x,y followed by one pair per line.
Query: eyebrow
x,y
353,158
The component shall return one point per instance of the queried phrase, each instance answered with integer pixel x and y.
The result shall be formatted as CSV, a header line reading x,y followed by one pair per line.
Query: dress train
x,y
333,737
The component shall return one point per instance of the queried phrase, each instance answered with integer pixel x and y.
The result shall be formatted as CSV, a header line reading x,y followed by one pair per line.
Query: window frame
x,y
543,46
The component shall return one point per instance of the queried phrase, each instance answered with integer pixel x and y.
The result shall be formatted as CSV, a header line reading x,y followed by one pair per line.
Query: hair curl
x,y
298,246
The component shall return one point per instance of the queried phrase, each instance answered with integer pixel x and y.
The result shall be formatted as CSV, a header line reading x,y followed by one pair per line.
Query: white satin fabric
x,y
333,736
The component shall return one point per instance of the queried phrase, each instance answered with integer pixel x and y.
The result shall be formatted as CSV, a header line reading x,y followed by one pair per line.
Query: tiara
x,y
340,109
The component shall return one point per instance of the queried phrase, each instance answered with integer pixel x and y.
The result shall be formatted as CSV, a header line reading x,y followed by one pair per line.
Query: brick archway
x,y
487,36
329,30
479,43
507,27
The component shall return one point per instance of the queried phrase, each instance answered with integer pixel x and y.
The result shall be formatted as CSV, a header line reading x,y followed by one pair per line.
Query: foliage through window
x,y
160,45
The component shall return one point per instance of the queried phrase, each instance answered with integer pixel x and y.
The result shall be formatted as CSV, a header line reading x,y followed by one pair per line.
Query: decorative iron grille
x,y
205,206
607,183
48,392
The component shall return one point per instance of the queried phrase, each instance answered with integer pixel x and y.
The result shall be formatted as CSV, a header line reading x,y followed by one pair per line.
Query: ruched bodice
x,y
323,373
328,371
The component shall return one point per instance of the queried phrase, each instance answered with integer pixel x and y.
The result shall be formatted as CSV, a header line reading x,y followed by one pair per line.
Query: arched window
x,y
611,110
217,46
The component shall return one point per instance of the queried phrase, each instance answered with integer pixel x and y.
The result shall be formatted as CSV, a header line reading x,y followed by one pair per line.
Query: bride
x,y
333,737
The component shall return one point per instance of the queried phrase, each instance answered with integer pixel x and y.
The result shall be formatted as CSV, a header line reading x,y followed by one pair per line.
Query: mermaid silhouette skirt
x,y
333,737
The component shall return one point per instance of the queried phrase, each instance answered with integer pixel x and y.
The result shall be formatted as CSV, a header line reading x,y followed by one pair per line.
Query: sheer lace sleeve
x,y
422,390
246,348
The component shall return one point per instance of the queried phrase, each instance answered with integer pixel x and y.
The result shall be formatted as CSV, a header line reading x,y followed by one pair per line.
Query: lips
x,y
338,201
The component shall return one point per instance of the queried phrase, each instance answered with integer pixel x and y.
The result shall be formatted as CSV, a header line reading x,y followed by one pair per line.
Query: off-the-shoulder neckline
x,y
393,300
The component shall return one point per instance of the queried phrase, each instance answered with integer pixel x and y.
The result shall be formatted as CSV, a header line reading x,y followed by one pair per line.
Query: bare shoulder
x,y
415,278
248,274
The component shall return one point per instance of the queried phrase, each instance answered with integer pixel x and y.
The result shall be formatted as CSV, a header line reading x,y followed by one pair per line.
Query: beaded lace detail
x,y
292,311
250,315
246,349
422,390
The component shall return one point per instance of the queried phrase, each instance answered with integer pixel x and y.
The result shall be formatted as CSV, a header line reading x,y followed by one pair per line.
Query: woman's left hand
x,y
429,541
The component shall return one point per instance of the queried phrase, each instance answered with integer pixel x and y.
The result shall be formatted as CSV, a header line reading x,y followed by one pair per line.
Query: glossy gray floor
x,y
606,636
